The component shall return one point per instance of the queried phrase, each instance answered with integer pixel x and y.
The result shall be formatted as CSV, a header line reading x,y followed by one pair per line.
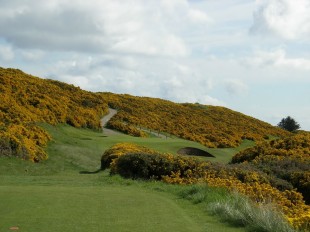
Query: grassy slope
x,y
224,155
54,196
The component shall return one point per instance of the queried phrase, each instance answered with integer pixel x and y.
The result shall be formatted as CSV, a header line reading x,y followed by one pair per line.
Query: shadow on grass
x,y
194,151
85,139
89,172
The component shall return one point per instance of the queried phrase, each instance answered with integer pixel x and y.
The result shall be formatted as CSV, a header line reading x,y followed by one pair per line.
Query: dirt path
x,y
105,120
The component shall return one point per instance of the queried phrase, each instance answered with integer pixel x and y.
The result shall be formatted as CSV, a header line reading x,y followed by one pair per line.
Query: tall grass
x,y
237,209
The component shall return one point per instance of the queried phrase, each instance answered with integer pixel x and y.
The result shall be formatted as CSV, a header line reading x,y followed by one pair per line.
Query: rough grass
x,y
237,210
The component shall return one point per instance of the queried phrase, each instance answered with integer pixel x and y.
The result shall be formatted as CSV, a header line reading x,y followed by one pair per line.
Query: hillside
x,y
211,126
27,100
286,159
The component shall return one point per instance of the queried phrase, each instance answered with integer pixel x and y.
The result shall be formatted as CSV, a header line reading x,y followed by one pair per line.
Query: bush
x,y
153,166
25,102
286,162
125,128
139,165
121,149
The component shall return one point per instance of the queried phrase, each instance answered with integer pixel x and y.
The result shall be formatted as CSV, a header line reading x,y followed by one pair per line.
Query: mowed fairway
x,y
54,195
54,208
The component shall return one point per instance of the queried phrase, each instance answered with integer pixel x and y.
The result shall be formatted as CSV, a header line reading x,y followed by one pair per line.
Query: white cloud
x,y
289,19
143,76
169,45
32,55
236,87
277,58
133,26
198,16
6,53
211,101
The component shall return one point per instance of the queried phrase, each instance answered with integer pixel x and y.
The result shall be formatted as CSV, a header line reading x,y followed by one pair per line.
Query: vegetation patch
x,y
25,103
237,209
184,170
286,159
125,128
210,126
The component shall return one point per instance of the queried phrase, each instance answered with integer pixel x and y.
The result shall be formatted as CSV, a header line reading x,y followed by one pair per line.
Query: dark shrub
x,y
145,166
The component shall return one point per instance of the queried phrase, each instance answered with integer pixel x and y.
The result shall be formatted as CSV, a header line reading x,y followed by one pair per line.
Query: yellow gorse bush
x,y
27,100
211,126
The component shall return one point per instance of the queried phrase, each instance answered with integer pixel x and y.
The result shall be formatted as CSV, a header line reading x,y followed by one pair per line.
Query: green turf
x,y
224,155
106,208
55,196
98,202
93,144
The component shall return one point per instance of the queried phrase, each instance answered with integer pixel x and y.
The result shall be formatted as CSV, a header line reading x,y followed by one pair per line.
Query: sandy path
x,y
105,120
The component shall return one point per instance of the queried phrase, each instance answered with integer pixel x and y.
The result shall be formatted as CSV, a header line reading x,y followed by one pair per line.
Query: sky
x,y
249,56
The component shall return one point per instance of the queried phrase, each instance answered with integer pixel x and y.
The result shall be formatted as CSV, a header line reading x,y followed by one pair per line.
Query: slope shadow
x,y
194,152
90,172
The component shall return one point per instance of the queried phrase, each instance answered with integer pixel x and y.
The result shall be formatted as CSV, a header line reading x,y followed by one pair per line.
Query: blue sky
x,y
250,56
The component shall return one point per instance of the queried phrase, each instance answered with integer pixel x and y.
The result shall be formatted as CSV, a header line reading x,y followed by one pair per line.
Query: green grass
x,y
93,144
113,204
81,149
55,196
224,155
104,208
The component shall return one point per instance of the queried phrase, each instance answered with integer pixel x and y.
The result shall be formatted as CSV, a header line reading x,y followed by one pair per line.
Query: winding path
x,y
105,120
